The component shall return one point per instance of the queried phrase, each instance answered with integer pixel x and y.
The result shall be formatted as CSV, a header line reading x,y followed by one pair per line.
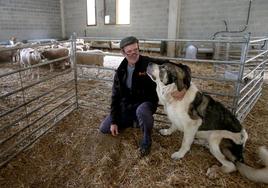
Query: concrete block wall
x,y
30,19
202,18
148,18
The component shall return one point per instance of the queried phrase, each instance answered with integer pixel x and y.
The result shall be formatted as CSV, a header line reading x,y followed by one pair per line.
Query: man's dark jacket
x,y
143,88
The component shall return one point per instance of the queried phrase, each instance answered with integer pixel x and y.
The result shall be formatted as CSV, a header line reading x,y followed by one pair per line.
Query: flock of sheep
x,y
25,56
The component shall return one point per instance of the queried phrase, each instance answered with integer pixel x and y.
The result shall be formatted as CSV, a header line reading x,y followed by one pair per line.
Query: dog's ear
x,y
187,77
183,77
178,78
199,105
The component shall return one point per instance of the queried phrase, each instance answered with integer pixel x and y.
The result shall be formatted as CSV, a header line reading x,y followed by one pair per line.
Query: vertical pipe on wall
x,y
173,25
63,33
239,31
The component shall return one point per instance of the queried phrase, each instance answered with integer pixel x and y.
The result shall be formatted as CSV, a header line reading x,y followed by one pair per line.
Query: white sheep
x,y
29,57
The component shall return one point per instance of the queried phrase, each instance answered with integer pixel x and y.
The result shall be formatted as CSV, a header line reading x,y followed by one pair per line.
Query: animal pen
x,y
230,69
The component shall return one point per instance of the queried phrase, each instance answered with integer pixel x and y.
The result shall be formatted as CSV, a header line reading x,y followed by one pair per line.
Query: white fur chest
x,y
177,111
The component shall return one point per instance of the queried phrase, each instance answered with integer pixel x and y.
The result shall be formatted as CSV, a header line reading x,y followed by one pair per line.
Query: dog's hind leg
x,y
188,138
201,142
214,146
238,138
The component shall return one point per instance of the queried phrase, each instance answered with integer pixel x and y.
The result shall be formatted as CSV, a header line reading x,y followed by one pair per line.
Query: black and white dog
x,y
200,117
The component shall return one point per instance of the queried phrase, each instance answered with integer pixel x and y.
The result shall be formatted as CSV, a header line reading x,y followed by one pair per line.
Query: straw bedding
x,y
75,154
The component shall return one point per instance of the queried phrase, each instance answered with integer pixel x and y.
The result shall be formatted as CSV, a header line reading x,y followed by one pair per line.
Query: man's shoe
x,y
145,149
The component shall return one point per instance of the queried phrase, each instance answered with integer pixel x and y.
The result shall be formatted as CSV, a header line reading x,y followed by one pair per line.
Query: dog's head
x,y
169,73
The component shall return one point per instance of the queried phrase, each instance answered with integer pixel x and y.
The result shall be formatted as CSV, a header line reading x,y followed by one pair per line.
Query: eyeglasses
x,y
131,52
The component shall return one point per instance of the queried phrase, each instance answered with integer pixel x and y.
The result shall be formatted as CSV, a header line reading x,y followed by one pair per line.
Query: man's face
x,y
131,53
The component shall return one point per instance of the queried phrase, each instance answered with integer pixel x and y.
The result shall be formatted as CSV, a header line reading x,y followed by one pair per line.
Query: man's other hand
x,y
114,129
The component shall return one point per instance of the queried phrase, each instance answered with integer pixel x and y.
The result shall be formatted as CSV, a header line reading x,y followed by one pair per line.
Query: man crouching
x,y
134,97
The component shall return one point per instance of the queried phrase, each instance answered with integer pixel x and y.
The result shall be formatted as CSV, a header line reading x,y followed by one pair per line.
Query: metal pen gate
x,y
29,108
233,74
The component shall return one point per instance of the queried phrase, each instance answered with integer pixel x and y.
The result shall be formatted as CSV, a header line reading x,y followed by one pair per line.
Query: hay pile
x,y
75,154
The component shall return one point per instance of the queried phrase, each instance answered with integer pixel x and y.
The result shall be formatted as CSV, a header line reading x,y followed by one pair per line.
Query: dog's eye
x,y
166,76
163,68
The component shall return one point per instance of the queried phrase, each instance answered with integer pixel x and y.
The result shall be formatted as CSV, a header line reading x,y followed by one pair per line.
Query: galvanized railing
x,y
236,72
30,107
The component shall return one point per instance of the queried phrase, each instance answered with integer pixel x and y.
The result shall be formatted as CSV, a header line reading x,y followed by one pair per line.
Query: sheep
x,y
29,57
56,53
92,57
5,56
11,55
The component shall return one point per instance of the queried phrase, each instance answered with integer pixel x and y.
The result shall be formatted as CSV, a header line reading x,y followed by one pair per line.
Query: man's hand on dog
x,y
114,129
178,95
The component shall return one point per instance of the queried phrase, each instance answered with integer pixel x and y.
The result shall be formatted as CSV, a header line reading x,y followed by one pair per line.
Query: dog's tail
x,y
257,175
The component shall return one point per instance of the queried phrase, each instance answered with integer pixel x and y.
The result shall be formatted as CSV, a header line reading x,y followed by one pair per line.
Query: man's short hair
x,y
127,41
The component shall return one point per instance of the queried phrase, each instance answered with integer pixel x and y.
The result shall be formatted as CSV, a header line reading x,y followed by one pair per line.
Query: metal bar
x,y
94,78
219,94
247,110
96,67
35,83
251,81
241,117
258,40
244,53
23,93
34,66
252,88
235,62
193,76
247,99
87,106
265,56
199,60
99,103
29,46
35,98
11,72
245,105
28,114
251,71
47,62
196,77
168,40
36,120
40,107
214,78
74,66
44,132
261,54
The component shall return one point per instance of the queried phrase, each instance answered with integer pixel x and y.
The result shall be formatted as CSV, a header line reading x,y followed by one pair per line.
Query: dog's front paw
x,y
165,132
177,155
